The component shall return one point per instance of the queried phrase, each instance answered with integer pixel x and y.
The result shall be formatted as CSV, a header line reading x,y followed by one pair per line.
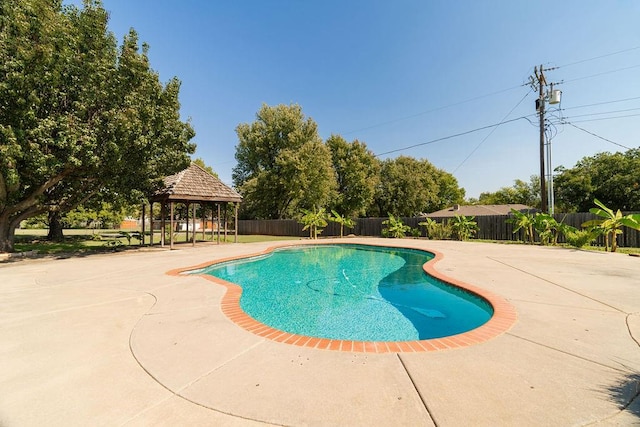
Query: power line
x,y
433,110
599,57
607,118
502,91
450,136
604,112
506,90
489,134
494,126
603,103
601,74
597,136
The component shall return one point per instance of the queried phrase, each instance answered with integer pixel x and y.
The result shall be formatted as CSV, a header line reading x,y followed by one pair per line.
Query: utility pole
x,y
539,73
553,97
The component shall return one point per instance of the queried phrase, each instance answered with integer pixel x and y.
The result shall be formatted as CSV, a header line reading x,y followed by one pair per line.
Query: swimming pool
x,y
352,292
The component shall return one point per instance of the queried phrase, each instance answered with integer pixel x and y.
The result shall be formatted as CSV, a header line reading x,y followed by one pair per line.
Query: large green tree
x,y
79,118
283,166
614,179
449,192
409,186
526,193
358,174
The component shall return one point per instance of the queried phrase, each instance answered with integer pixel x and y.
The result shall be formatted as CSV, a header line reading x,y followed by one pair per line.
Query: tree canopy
x,y
526,193
79,118
614,179
284,168
409,187
283,165
358,174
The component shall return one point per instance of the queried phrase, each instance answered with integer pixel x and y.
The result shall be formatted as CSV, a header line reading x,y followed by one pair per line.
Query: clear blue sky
x,y
394,74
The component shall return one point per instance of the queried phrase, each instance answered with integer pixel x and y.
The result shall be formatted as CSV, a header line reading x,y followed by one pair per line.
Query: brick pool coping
x,y
504,315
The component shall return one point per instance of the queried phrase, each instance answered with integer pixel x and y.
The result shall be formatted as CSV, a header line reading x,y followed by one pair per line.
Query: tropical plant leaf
x,y
631,222
592,223
601,213
603,207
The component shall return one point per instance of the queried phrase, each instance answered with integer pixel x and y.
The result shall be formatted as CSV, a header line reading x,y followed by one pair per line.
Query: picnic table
x,y
113,239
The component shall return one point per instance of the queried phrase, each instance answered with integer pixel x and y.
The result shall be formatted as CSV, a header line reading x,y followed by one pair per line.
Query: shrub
x,y
523,221
437,231
611,223
548,228
314,221
342,220
580,238
395,228
464,226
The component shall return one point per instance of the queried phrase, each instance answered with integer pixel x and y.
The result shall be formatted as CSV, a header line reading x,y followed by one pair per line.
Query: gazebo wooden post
x,y
172,227
236,221
144,208
163,223
204,221
151,223
225,221
211,222
193,222
213,211
186,225
218,223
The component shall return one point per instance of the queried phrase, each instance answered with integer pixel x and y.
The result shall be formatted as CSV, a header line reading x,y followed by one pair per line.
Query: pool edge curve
x,y
503,318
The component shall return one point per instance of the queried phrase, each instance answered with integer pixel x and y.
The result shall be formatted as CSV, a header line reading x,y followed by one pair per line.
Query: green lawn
x,y
85,241
620,250
563,245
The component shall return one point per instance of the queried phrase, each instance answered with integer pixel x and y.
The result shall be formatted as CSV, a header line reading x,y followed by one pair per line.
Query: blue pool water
x,y
352,292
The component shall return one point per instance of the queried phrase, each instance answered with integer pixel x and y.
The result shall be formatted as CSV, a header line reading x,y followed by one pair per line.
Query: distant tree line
x,y
612,178
284,167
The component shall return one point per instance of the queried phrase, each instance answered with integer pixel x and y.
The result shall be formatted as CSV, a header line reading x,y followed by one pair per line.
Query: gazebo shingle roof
x,y
196,184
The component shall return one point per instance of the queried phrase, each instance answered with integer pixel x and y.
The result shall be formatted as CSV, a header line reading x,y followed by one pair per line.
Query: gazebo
x,y
192,186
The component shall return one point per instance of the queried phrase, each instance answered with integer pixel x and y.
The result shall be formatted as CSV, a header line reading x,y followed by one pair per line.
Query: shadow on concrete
x,y
84,253
626,392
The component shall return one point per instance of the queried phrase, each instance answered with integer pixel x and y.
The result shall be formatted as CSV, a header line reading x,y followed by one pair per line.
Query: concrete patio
x,y
112,340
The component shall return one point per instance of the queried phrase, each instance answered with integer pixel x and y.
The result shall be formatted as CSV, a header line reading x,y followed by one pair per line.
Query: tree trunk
x,y
7,236
614,240
55,227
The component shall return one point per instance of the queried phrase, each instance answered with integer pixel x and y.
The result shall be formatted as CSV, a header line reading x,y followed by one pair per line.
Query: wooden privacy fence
x,y
494,227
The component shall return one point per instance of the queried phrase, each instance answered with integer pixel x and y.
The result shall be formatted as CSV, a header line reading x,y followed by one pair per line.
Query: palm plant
x,y
523,221
395,227
342,220
429,224
435,230
612,223
314,221
464,226
548,228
